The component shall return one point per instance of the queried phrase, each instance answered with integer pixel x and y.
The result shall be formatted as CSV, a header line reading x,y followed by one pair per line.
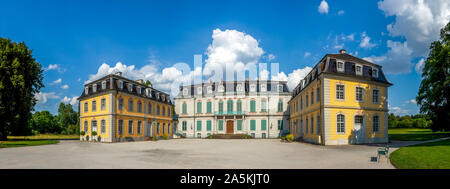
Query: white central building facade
x,y
258,108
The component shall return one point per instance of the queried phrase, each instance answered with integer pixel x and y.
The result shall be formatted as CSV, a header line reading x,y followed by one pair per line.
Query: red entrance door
x,y
230,127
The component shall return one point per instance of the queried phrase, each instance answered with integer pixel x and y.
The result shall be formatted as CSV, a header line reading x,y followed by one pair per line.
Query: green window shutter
x,y
239,124
230,106
220,125
239,106
208,107
184,125
199,125
199,107
252,106
220,106
280,106
263,106
252,125
184,108
280,124
208,125
263,125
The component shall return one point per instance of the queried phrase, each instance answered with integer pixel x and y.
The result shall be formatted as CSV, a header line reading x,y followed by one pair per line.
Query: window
x,y
280,88
139,106
150,107
301,102
312,98
94,88
103,84
103,104
220,106
307,100
375,96
94,105
252,134
263,87
209,89
130,105
208,107
359,94
139,89
221,88
263,106
358,70
239,106
220,125
199,125
120,129
86,126
164,111
280,105
103,126
185,92
168,112
184,125
280,124
199,135
86,108
120,104
157,128
263,135
230,105
130,87
208,125
199,91
86,90
94,125
139,124
306,125
252,125
340,124
340,92
239,124
318,94
318,124
374,72
164,128
252,106
340,66
376,124
130,126
168,128
120,84
184,108
263,125
312,125
239,88
252,88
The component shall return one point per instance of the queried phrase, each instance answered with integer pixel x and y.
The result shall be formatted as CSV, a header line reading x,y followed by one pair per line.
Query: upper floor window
x,y
94,88
239,88
164,111
103,104
148,92
208,107
139,106
340,123
312,97
120,84
209,89
103,84
252,106
158,111
263,106
199,91
340,92
301,102
120,103
130,87
358,69
374,72
252,88
263,87
280,106
239,105
375,96
221,88
230,105
340,66
359,94
150,107
86,108
184,108
318,94
130,105
139,90
86,90
220,106
94,105
185,92
130,126
307,100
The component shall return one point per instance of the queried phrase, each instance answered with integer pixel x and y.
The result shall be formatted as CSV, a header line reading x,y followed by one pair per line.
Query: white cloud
x,y
323,7
398,111
419,66
350,37
307,54
270,57
58,81
396,60
54,67
43,97
341,12
339,46
264,75
419,21
65,87
365,41
293,78
73,101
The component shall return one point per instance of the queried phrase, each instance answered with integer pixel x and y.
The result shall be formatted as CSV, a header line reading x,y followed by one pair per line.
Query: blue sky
x,y
73,39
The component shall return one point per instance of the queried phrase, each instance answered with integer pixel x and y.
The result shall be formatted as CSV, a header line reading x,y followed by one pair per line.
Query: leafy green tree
x,y
148,83
45,122
67,117
434,91
20,79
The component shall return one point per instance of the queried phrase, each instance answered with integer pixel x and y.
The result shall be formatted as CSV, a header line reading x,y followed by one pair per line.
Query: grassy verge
x,y
45,137
21,143
413,134
433,155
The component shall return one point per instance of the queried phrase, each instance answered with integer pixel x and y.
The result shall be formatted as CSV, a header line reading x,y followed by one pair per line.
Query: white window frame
x,y
86,90
280,88
337,66
252,88
221,88
356,69
362,94
374,72
103,105
199,90
378,96
120,83
336,88
130,87
103,126
209,89
103,85
94,88
239,88
185,92
263,87
139,89
338,129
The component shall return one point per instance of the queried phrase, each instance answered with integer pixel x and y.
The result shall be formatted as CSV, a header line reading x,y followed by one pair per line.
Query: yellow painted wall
x,y
350,94
98,107
144,111
349,123
98,119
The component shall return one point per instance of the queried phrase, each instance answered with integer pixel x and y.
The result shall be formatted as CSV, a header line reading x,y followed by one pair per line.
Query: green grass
x,y
22,143
413,134
45,137
433,155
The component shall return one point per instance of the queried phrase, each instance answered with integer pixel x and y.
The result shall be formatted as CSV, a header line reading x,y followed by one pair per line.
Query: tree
x,y
67,118
20,79
434,91
45,122
148,83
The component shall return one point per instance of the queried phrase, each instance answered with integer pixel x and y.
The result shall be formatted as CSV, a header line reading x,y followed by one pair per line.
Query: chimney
x,y
140,81
119,73
342,51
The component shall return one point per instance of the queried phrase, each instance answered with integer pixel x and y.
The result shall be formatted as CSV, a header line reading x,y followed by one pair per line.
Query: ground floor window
x,y
86,126
139,124
130,127
208,125
252,134
164,128
120,127
340,123
157,128
199,135
184,125
239,124
376,123
252,125
94,126
263,135
220,125
103,126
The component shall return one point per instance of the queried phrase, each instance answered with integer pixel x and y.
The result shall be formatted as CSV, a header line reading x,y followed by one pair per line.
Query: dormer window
x,y
312,75
340,66
221,88
199,91
94,88
185,92
263,87
120,83
130,87
148,92
103,85
162,98
139,90
280,88
209,89
252,88
358,69
239,88
86,90
157,96
374,72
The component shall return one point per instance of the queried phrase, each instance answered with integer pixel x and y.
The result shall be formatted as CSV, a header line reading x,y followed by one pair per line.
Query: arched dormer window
x,y
103,85
130,87
185,92
221,88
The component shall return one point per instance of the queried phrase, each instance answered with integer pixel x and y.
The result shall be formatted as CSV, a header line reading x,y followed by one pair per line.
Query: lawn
x,y
433,155
45,137
408,134
21,143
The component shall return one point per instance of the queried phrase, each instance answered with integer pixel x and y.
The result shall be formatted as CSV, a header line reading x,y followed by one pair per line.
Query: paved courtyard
x,y
192,153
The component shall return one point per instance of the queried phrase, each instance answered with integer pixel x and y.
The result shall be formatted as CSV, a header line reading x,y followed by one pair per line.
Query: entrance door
x,y
358,133
230,127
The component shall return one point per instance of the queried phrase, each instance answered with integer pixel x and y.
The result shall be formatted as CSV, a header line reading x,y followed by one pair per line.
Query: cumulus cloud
x,y
396,60
43,97
365,41
54,67
270,57
398,111
58,81
65,87
67,100
307,54
323,7
419,66
341,12
293,78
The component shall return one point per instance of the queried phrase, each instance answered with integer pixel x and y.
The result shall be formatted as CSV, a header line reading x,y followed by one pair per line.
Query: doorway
x,y
230,127
358,133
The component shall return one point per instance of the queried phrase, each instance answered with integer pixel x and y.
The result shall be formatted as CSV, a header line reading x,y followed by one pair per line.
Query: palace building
x,y
343,100
119,109
257,108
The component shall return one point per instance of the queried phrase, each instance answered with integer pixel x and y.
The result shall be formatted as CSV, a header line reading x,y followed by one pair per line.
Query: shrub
x,y
82,133
154,139
99,138
283,138
165,137
290,137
